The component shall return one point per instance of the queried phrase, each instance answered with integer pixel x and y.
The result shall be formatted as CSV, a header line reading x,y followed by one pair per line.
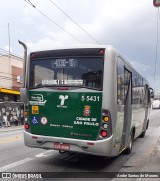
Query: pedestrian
x,y
12,122
17,121
22,119
5,119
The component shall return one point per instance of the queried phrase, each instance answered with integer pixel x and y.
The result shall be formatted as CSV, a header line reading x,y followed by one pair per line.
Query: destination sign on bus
x,y
64,63
62,82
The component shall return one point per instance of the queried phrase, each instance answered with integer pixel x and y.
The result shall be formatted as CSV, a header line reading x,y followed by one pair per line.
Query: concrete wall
x,y
11,68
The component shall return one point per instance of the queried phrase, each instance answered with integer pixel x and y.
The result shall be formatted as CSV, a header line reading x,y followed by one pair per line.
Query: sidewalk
x,y
6,129
145,160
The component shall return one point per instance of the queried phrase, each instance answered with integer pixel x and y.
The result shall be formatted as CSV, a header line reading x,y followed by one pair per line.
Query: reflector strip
x,y
90,143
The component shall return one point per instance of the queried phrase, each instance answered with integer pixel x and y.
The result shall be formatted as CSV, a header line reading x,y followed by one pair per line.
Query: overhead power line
x,y
8,74
8,78
31,4
12,54
74,22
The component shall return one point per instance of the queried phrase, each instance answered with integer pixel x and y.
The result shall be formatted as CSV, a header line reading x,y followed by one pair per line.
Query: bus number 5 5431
x,y
90,98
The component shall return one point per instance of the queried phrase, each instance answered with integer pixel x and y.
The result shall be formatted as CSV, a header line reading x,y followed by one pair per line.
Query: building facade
x,y
11,69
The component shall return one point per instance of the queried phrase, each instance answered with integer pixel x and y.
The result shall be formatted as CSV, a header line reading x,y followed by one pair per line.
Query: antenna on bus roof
x,y
24,84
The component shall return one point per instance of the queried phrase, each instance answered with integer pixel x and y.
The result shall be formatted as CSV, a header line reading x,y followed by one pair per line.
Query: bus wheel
x,y
128,150
142,135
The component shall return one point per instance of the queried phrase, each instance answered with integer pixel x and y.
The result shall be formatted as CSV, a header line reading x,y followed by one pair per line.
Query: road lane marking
x,y
10,133
7,140
43,154
12,165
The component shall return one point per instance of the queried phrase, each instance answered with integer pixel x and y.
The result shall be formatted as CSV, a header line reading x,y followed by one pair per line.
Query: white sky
x,y
129,25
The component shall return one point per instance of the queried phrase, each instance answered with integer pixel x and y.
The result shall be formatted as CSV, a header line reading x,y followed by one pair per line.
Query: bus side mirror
x,y
152,94
24,95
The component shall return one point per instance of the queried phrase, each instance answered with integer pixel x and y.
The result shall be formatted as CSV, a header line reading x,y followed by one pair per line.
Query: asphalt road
x,y
15,157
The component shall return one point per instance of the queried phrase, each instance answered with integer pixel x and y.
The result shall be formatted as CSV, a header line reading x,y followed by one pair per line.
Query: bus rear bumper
x,y
100,147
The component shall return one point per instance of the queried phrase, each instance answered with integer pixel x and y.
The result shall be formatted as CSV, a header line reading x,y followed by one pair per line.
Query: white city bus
x,y
86,99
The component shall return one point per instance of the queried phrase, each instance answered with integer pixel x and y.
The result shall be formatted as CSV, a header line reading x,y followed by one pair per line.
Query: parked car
x,y
156,104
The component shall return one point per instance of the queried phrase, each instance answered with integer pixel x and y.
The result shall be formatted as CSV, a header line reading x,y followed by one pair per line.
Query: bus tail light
x,y
103,133
106,119
101,51
106,125
105,112
32,55
34,137
26,126
25,113
90,143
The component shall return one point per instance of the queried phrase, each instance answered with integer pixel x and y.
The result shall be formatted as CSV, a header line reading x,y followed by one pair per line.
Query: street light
x,y
156,3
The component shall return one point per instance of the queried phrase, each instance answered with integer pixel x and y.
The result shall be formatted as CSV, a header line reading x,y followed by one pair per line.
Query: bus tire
x,y
147,124
142,135
128,150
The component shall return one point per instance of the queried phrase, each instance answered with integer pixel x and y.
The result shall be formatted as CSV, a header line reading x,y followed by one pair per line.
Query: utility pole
x,y
9,57
9,39
156,3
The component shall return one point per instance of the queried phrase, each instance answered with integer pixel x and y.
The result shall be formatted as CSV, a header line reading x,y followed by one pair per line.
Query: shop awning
x,y
9,91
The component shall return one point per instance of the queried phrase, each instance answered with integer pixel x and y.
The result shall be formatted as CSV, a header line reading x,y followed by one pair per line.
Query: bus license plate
x,y
58,146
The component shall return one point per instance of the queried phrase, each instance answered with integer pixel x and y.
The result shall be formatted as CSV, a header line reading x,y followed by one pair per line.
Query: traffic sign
x,y
156,3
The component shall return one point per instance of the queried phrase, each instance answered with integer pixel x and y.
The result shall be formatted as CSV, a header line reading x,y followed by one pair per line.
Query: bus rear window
x,y
80,71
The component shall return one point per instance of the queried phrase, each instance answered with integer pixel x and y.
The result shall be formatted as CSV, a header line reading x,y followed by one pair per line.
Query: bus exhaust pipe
x,y
23,90
24,64
62,152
